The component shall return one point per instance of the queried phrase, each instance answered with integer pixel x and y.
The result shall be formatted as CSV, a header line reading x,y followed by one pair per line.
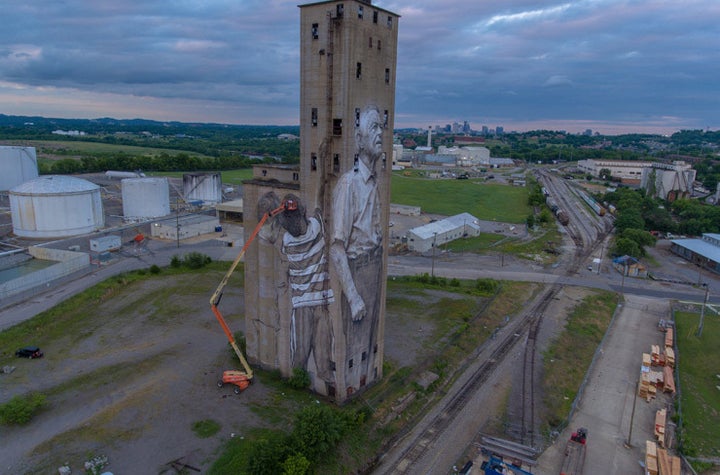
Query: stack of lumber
x,y
657,358
668,380
660,421
651,460
669,338
668,464
646,360
669,356
648,384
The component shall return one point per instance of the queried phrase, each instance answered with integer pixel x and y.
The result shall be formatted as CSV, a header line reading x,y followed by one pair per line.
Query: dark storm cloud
x,y
628,62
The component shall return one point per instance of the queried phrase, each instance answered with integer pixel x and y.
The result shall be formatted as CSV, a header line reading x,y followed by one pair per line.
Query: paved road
x,y
449,265
606,406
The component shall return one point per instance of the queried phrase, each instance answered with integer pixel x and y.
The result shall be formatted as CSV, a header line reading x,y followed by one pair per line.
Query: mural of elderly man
x,y
356,251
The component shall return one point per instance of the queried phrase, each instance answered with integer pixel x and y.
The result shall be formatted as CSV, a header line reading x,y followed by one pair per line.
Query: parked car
x,y
29,352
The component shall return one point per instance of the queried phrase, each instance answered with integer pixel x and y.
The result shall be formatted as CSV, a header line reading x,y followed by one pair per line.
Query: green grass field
x,y
699,366
67,147
449,197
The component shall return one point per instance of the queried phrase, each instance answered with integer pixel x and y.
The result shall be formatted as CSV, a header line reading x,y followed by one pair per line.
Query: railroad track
x,y
407,462
585,244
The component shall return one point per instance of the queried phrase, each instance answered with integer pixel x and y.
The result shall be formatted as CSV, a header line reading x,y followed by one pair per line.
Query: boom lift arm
x,y
241,379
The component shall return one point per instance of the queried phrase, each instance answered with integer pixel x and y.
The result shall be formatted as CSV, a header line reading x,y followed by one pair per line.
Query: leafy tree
x,y
627,247
317,430
296,464
629,219
605,174
642,238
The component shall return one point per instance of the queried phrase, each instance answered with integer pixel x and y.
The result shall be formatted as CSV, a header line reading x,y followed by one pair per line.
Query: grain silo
x,y
53,206
145,198
205,187
17,165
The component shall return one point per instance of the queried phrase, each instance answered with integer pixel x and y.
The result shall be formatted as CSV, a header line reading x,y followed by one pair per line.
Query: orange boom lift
x,y
241,379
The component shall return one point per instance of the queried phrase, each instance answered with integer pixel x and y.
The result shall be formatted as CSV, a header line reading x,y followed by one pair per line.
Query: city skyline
x,y
606,65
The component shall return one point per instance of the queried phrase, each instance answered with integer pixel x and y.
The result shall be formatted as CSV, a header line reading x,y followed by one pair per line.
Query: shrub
x,y
175,262
21,409
196,260
154,269
300,379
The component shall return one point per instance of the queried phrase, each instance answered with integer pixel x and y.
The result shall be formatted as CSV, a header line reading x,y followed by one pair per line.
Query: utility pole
x,y
702,310
432,268
177,222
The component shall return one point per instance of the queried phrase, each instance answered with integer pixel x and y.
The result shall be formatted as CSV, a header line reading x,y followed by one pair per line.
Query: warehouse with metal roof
x,y
704,252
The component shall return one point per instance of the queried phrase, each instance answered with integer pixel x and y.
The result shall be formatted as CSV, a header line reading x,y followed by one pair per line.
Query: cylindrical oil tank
x,y
145,198
205,187
17,165
53,206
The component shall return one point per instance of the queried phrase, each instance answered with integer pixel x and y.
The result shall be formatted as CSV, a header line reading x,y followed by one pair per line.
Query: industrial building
x,y
668,181
424,238
704,252
627,171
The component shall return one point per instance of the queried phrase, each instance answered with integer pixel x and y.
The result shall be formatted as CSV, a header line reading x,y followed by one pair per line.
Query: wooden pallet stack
x,y
659,462
660,421
651,461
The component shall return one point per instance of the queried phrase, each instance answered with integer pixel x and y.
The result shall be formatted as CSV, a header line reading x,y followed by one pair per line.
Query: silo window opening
x,y
356,162
358,70
337,126
375,16
264,173
296,176
387,75
360,12
336,163
375,348
350,363
370,42
384,161
389,22
340,10
313,162
385,118
314,31
364,355
379,45
314,117
357,117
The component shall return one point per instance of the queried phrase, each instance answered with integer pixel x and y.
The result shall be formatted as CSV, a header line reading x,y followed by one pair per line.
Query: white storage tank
x,y
56,206
145,198
206,187
17,165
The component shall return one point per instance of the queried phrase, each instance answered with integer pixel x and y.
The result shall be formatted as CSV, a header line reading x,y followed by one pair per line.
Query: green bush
x,y
196,260
154,269
175,262
300,379
21,409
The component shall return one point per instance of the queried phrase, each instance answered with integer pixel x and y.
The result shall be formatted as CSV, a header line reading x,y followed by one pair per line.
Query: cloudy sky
x,y
609,65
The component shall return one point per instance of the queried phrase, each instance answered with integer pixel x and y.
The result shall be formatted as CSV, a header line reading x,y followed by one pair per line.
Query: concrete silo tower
x,y
334,326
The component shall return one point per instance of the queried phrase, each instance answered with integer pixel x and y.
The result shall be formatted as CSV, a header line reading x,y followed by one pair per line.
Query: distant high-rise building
x,y
466,127
499,130
588,132
485,130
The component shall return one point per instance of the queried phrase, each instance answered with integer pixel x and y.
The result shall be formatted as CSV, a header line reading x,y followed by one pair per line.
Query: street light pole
x,y
702,310
432,268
